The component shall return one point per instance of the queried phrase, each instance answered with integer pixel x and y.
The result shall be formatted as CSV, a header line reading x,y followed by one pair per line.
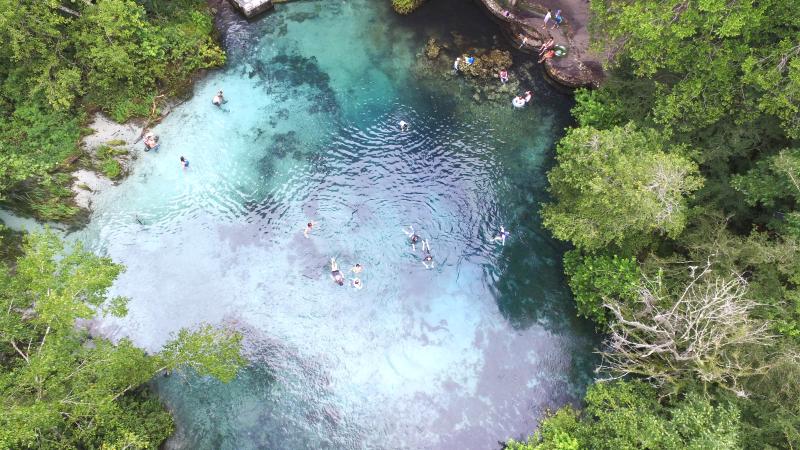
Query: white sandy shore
x,y
88,183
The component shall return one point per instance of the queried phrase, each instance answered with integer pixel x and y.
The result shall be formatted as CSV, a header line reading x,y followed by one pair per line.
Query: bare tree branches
x,y
704,333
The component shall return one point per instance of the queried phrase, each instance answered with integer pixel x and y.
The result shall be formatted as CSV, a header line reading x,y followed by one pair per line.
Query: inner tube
x,y
560,50
518,102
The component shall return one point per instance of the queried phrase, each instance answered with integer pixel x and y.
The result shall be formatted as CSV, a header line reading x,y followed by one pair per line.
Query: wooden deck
x,y
252,8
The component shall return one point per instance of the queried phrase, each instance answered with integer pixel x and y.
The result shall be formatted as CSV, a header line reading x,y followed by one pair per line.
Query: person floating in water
x,y
357,268
504,76
309,227
337,276
528,96
218,99
502,236
184,163
150,142
403,125
412,236
427,260
357,283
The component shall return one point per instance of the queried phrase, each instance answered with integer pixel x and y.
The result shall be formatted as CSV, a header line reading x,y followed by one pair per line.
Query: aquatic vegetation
x,y
406,6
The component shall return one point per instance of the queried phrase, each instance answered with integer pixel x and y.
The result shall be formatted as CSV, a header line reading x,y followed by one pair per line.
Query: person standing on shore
x,y
557,19
547,18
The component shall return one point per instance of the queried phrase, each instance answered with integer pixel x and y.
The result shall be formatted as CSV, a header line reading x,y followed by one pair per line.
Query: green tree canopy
x,y
628,415
617,186
709,59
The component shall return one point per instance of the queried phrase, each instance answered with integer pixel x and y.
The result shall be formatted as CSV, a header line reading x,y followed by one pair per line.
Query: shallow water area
x,y
462,355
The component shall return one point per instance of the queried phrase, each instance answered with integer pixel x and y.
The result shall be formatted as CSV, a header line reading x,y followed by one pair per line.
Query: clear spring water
x,y
461,356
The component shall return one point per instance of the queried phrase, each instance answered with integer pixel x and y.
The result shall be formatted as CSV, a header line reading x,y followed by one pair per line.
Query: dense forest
x,y
60,61
678,189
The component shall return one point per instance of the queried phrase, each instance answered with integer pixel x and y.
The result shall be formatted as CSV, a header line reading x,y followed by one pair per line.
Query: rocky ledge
x,y
522,24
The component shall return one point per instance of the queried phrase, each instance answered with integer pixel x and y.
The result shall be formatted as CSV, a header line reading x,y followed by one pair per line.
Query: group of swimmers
x,y
413,237
338,278
151,140
336,274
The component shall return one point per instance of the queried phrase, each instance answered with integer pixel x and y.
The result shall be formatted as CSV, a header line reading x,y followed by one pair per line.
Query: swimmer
x,y
504,76
518,101
336,274
427,260
184,163
412,236
309,227
357,268
502,236
403,125
528,96
357,283
218,99
150,142
455,64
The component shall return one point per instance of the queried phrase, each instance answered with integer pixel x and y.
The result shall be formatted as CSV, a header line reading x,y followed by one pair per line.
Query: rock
x,y
487,63
574,73
432,49
87,184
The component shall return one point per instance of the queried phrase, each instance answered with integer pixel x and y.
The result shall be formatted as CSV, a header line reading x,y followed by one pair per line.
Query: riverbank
x,y
522,22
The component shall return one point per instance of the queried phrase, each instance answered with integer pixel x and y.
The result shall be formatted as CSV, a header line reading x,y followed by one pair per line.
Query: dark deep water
x,y
461,356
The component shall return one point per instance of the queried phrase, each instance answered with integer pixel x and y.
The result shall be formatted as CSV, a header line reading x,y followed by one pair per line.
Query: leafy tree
x,y
34,141
595,279
617,187
63,388
710,59
628,415
774,178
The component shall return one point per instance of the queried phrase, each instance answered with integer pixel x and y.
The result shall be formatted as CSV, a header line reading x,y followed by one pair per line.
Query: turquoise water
x,y
463,355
